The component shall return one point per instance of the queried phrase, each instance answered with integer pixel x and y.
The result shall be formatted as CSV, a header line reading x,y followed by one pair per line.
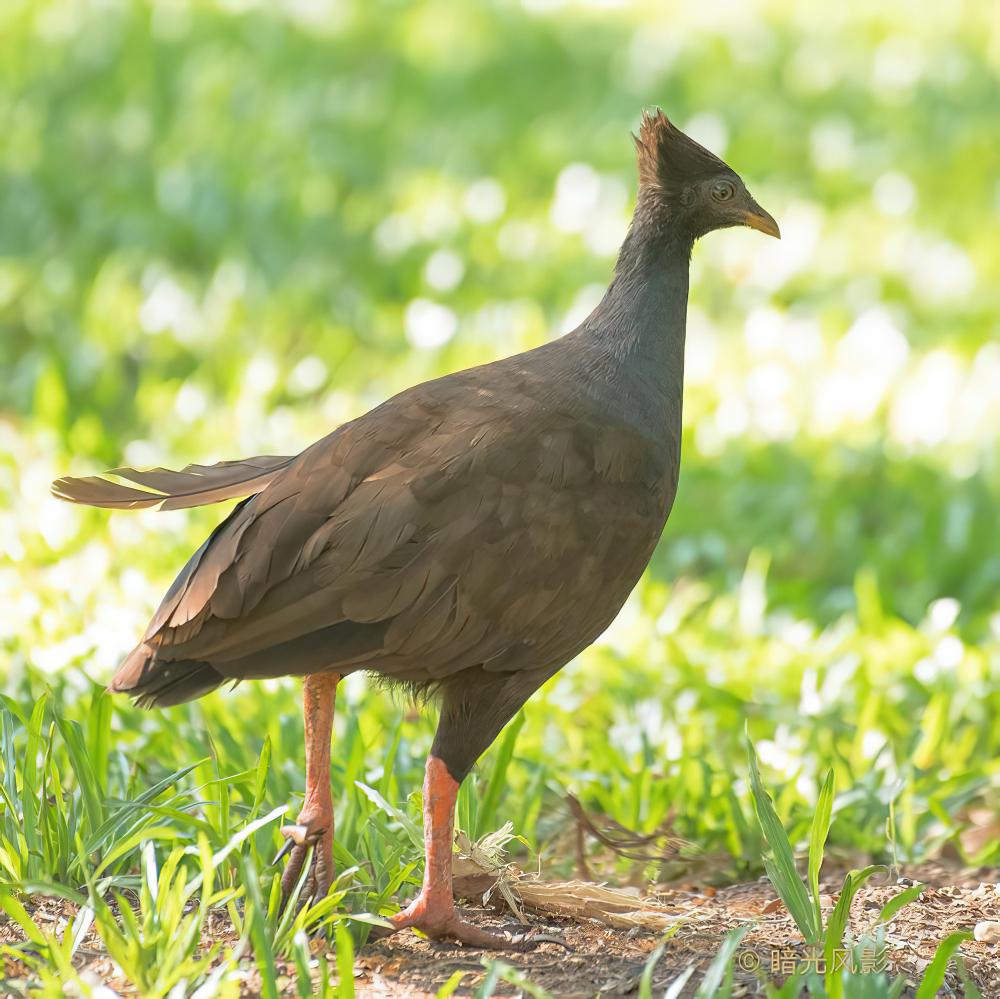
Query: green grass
x,y
857,977
153,923
832,939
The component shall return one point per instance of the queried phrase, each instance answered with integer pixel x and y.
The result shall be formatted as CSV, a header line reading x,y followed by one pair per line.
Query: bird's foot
x,y
437,918
311,832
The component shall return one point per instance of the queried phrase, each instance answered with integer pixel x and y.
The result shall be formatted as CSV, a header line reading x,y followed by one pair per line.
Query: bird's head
x,y
682,179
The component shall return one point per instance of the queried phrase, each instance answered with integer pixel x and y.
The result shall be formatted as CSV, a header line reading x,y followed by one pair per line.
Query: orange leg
x,y
433,910
313,828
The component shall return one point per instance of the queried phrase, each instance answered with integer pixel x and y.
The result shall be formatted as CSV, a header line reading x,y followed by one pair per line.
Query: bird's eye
x,y
722,190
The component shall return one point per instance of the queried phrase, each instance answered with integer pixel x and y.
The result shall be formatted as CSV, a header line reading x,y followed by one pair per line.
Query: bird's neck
x,y
640,323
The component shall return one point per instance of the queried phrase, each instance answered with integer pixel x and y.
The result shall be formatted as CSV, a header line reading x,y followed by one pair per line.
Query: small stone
x,y
987,931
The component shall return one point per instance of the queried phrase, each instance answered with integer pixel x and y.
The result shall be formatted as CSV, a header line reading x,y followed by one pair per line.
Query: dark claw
x,y
286,849
531,942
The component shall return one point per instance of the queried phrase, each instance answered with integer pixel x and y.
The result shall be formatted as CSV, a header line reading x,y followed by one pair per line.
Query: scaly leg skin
x,y
433,910
313,829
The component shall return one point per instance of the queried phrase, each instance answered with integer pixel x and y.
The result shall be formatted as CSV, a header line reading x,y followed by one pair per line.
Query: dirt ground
x,y
600,959
609,962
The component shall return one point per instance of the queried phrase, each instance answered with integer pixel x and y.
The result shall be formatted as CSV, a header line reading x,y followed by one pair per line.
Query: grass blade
x,y
409,826
835,928
781,870
934,976
646,982
721,966
345,962
897,902
817,839
498,778
448,989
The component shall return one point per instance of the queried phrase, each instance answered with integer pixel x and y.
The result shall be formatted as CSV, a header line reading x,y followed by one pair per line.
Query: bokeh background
x,y
227,227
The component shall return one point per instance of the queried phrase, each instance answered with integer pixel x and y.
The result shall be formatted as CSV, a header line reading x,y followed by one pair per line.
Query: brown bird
x,y
466,539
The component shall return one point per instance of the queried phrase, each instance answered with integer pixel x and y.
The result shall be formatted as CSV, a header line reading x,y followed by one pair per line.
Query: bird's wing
x,y
423,538
194,485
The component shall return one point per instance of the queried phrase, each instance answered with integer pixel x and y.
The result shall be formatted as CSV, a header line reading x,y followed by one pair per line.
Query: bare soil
x,y
600,959
609,962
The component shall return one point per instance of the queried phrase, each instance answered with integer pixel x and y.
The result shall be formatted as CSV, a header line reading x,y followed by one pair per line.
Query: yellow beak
x,y
760,220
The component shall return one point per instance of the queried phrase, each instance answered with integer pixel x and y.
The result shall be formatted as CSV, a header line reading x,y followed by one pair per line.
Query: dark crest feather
x,y
668,158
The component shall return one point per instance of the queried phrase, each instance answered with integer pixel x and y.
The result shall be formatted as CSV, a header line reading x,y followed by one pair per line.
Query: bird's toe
x,y
470,935
442,922
310,839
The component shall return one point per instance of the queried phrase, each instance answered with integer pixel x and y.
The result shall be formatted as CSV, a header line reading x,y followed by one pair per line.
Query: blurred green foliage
x,y
226,227
239,159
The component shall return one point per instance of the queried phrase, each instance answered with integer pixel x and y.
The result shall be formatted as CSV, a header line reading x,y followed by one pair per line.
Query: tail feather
x,y
194,485
154,683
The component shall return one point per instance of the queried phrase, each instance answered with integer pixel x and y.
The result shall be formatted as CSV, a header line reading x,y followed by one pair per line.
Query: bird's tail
x,y
195,485
154,683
